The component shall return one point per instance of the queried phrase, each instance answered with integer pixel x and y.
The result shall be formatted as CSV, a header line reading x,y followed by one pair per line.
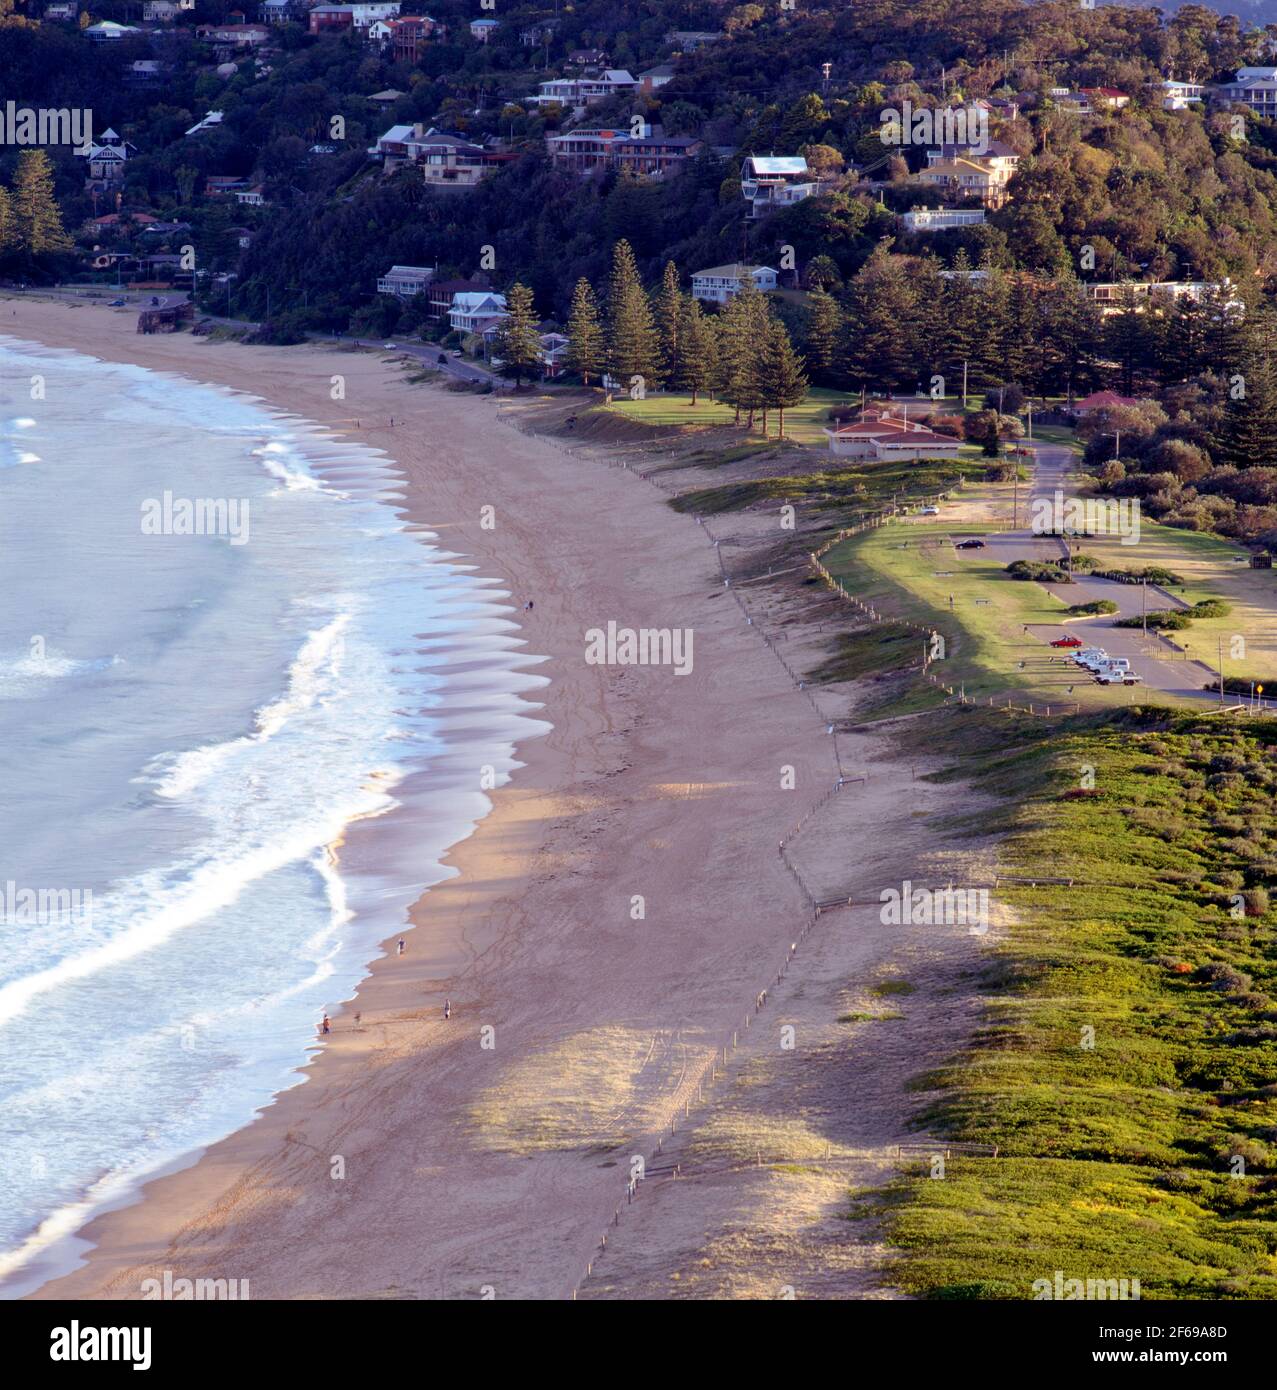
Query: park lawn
x,y
803,424
1125,1063
1211,568
909,570
1058,434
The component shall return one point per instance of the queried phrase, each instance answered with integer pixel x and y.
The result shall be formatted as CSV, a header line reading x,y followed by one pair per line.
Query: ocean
x,y
220,648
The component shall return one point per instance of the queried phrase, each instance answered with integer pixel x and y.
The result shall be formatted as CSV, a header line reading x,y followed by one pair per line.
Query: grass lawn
x,y
804,424
909,570
1058,434
1211,568
1126,1060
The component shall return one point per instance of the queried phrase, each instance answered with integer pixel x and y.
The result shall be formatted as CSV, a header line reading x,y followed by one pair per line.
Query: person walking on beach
x,y
527,607
325,1027
447,1008
401,945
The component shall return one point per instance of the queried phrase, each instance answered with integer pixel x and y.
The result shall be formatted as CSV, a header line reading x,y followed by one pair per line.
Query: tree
x,y
633,347
35,210
698,351
669,317
877,349
585,333
518,343
1248,433
823,325
783,381
743,326
8,231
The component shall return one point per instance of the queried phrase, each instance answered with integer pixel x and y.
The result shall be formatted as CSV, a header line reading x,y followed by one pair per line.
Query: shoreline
x,y
530,937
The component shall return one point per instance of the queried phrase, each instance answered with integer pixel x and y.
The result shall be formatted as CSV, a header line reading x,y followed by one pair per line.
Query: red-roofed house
x,y
878,434
1102,400
1105,98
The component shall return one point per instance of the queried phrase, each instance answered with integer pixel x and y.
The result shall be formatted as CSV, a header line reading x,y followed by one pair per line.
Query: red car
x,y
1067,642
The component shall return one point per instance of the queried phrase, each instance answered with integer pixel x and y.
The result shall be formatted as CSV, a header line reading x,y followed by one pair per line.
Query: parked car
x,y
117,304
1067,642
929,511
972,544
1111,676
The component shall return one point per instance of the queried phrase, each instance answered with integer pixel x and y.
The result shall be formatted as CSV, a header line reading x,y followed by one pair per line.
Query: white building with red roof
x,y
878,434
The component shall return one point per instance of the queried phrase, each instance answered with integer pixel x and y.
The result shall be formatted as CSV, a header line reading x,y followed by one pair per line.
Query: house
x,y
390,95
1255,88
165,230
1112,295
440,293
250,197
107,157
877,434
330,19
583,91
967,178
470,307
553,354
587,58
392,147
243,237
108,31
160,11
1102,400
223,185
992,154
655,78
210,121
61,12
408,36
482,29
1179,96
1106,98
281,11
145,72
113,222
768,182
450,162
720,283
689,40
653,154
234,35
403,281
941,219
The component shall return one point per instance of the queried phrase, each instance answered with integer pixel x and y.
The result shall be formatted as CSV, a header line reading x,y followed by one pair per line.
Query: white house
x,y
1179,96
583,91
1253,87
403,281
768,182
720,283
160,11
880,435
107,157
941,219
469,307
482,29
108,31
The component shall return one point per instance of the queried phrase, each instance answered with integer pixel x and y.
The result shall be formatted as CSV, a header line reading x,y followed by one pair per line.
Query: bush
x,y
1039,570
1162,618
1211,608
1099,605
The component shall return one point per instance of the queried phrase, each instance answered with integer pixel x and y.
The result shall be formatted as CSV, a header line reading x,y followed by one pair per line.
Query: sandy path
x,y
468,1166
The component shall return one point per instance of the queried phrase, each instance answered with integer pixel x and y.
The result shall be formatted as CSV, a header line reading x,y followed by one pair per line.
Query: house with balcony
x,y
404,281
106,160
406,36
579,92
652,154
483,29
770,182
941,219
449,162
108,31
983,177
234,35
161,11
721,283
61,12
1179,96
471,309
1113,295
1255,88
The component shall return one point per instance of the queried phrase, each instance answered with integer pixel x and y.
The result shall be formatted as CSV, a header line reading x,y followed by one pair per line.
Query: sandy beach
x,y
426,1158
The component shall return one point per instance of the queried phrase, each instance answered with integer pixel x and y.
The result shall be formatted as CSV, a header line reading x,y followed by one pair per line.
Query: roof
x,y
398,134
997,149
390,94
784,164
470,300
735,271
1104,92
1099,400
409,270
877,425
616,75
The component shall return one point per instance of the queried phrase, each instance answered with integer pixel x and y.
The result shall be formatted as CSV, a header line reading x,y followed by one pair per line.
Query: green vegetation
x,y
1126,1064
1040,571
1096,606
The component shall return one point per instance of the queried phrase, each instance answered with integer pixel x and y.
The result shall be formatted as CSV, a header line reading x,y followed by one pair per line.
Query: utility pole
x,y
1144,603
1030,433
1015,497
964,383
